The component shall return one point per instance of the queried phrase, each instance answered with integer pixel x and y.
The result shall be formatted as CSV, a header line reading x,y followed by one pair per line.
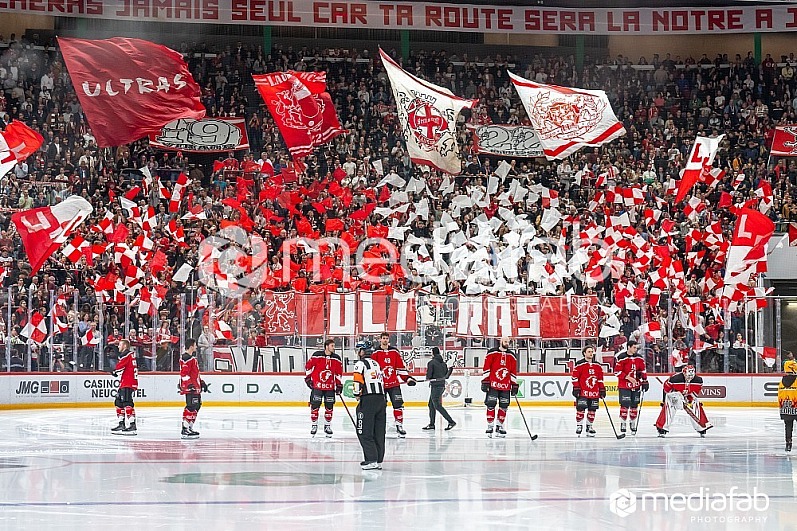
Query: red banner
x,y
310,314
129,88
279,313
208,135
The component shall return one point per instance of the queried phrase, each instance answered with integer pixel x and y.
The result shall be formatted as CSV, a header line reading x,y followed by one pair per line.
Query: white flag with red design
x,y
567,119
699,165
36,329
177,193
428,117
43,230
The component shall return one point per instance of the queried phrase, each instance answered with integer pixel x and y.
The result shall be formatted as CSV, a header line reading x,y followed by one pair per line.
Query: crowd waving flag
x,y
17,143
130,88
428,117
301,107
43,230
567,119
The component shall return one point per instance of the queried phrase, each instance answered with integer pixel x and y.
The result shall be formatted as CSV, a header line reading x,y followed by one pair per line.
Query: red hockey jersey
x,y
393,370
630,368
128,368
190,382
326,372
588,376
677,382
500,369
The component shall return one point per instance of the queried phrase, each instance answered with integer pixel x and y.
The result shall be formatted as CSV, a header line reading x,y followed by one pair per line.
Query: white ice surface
x,y
258,468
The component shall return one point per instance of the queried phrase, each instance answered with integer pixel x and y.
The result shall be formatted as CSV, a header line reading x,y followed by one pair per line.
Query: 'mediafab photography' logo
x,y
714,507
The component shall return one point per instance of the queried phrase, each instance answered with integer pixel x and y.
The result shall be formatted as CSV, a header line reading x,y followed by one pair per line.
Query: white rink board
x,y
53,389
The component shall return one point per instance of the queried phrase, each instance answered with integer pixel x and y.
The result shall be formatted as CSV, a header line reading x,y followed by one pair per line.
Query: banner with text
x,y
208,135
432,16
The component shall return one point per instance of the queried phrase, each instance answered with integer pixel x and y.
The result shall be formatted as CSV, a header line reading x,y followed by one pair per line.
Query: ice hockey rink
x,y
258,468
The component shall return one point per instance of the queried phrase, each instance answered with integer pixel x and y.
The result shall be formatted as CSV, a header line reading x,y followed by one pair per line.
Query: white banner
x,y
506,140
61,389
482,18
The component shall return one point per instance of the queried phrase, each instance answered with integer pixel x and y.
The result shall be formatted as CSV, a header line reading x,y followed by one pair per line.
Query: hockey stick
x,y
688,410
620,436
347,411
534,436
639,411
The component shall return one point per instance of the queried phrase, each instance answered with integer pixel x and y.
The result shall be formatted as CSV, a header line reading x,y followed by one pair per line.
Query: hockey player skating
x,y
127,368
191,385
323,375
787,399
680,393
394,373
499,382
369,390
631,381
588,389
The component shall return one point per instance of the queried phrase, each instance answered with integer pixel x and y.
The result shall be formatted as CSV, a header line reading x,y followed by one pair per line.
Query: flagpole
x,y
52,328
75,311
8,330
101,326
30,315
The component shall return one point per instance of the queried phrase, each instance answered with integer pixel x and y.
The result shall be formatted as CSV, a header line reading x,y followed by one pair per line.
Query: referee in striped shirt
x,y
369,388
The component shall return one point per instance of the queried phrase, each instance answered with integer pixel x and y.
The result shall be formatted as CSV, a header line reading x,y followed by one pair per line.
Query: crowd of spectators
x,y
663,102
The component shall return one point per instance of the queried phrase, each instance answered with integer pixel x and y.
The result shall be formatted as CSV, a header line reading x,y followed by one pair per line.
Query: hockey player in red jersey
x,y
323,375
499,381
191,385
394,373
127,368
588,388
632,379
680,393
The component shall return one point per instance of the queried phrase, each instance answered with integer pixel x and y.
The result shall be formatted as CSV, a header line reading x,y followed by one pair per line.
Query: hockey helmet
x,y
689,372
365,346
790,367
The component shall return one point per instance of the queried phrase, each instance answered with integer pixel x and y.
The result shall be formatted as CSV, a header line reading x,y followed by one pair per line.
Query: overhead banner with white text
x,y
483,18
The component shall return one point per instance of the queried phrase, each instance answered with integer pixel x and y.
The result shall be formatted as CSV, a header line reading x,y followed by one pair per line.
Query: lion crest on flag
x,y
565,116
298,109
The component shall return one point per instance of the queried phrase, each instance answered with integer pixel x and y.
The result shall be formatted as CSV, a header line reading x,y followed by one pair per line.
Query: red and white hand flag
x,y
36,329
43,230
17,143
90,339
768,354
130,88
567,119
698,165
222,330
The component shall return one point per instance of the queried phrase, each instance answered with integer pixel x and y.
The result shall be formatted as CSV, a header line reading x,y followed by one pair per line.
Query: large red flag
x,y
130,88
305,117
784,142
43,230
17,142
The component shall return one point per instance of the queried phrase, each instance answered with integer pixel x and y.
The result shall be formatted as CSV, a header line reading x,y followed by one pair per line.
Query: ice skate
x,y
661,432
579,429
489,432
702,433
622,427
590,431
119,429
187,433
328,430
130,430
314,430
633,426
400,431
500,431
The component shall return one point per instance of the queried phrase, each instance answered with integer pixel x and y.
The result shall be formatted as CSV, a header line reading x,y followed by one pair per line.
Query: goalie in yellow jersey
x,y
787,397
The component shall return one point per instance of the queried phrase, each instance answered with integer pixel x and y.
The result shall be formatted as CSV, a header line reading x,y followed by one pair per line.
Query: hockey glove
x,y
485,387
309,382
179,388
645,386
114,373
412,382
205,388
191,390
602,393
338,389
514,389
576,392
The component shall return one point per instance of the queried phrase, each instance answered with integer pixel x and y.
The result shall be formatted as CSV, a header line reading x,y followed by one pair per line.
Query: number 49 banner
x,y
208,135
